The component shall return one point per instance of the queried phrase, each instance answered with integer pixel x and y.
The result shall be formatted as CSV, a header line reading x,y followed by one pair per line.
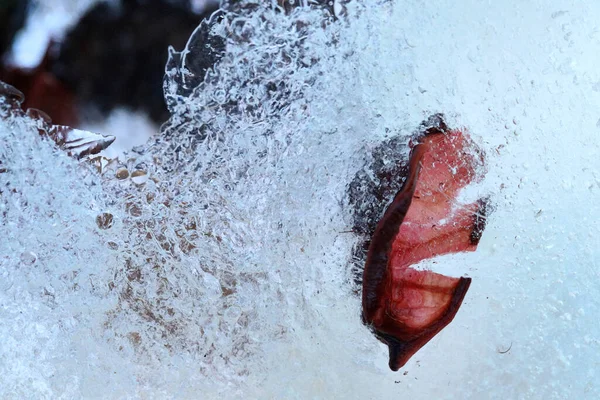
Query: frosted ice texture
x,y
223,269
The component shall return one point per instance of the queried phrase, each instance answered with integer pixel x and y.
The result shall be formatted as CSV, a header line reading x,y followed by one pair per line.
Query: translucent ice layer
x,y
215,260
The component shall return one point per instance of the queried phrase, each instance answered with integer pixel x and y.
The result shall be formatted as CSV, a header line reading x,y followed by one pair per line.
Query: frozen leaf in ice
x,y
406,307
79,143
36,114
76,142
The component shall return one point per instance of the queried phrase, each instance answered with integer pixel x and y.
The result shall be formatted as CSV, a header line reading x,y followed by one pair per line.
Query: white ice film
x,y
215,261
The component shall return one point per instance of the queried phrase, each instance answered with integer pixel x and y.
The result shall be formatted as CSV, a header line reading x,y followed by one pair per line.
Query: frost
x,y
216,260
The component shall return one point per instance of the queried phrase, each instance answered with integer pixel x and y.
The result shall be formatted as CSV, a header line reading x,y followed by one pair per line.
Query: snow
x,y
226,273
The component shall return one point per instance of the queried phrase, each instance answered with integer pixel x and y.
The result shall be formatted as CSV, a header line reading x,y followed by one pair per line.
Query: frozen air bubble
x,y
122,173
104,220
139,177
28,258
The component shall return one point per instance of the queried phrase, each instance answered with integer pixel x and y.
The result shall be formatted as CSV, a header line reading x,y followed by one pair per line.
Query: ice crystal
x,y
216,260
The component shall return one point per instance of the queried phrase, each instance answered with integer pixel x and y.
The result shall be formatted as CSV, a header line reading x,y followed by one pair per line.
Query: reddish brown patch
x,y
405,307
43,91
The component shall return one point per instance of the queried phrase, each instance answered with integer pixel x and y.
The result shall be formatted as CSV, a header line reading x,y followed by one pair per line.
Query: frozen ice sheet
x,y
225,273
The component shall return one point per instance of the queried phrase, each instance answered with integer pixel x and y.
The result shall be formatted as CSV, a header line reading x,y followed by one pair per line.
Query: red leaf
x,y
405,307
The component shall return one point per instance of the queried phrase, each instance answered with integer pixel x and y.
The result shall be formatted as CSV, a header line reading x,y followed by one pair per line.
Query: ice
x,y
131,129
227,271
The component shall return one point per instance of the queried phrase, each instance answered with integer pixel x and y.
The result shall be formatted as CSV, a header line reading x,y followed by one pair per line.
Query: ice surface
x,y
226,272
